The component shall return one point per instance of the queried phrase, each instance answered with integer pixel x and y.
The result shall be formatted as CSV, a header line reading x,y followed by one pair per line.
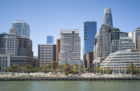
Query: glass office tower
x,y
21,28
50,39
90,29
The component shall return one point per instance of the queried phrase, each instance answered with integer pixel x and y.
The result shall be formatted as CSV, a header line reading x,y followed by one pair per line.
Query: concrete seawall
x,y
67,78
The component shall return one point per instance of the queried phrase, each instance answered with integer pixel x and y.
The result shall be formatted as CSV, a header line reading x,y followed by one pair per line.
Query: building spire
x,y
108,17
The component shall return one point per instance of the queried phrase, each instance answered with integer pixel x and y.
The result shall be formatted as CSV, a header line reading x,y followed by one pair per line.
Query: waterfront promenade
x,y
61,77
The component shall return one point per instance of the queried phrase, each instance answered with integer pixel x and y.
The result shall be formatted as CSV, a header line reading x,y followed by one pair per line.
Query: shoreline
x,y
67,78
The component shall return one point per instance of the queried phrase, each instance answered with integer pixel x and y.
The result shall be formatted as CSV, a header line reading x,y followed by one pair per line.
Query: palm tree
x,y
29,68
8,69
132,68
60,67
75,69
67,68
14,68
107,70
46,67
22,69
98,69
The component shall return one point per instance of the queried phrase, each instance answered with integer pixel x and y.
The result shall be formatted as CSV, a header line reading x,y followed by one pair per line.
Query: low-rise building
x,y
4,61
118,61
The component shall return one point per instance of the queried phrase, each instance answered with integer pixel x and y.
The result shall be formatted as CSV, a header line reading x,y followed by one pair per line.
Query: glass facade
x,y
90,29
4,61
20,28
108,17
1,39
50,40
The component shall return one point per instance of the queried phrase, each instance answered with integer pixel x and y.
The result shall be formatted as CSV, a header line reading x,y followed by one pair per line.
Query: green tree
x,y
60,67
67,68
14,68
22,69
29,68
8,69
37,69
82,69
75,69
98,69
107,70
132,69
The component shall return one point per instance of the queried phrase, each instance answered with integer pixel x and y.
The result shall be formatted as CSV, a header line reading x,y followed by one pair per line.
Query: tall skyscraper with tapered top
x,y
108,17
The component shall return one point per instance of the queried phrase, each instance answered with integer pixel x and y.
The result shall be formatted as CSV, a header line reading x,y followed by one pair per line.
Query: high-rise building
x,y
25,47
50,39
58,41
70,47
46,53
105,40
10,44
90,29
17,44
126,43
108,17
89,59
115,36
134,35
20,28
138,43
1,38
123,34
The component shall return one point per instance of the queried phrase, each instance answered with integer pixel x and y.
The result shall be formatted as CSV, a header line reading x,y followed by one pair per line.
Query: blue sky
x,y
47,17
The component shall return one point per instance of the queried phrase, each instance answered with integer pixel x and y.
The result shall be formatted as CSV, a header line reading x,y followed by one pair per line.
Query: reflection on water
x,y
69,86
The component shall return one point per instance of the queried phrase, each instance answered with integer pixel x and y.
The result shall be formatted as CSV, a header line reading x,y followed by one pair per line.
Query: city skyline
x,y
51,16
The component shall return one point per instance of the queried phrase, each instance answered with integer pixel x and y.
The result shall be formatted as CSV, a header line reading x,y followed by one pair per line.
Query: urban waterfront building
x,y
21,28
46,53
139,43
70,47
118,61
25,47
58,47
90,29
107,20
1,38
17,44
123,34
115,35
104,39
4,61
109,40
134,35
126,43
21,60
89,59
50,39
10,44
